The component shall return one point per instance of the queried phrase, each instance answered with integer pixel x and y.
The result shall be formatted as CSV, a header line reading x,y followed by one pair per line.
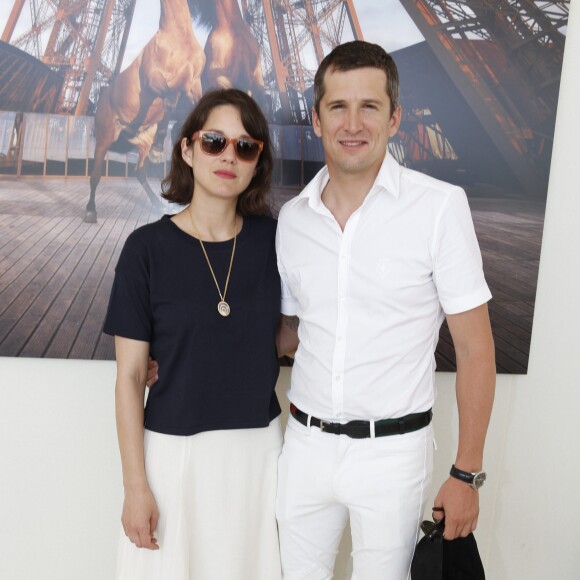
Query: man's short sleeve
x,y
458,271
129,313
289,305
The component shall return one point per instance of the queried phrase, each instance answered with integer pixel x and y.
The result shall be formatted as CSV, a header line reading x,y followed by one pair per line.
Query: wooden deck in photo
x,y
510,238
56,270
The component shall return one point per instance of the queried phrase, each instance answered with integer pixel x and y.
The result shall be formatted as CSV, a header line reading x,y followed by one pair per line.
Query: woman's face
x,y
224,176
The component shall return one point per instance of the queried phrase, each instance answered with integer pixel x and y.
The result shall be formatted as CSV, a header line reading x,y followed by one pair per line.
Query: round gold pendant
x,y
223,308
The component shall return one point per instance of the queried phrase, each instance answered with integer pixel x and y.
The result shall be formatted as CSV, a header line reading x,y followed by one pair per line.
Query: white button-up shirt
x,y
371,298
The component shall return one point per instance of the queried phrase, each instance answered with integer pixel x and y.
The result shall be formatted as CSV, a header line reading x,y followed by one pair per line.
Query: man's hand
x,y
287,335
460,503
140,517
152,368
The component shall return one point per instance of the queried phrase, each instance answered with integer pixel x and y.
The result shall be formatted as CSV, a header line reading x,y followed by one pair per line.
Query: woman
x,y
200,292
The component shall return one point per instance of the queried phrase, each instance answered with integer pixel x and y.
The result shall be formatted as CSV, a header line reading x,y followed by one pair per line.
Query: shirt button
x,y
337,377
339,415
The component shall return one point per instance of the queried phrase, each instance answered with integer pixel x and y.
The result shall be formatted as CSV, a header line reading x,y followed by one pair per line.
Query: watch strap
x,y
465,476
475,480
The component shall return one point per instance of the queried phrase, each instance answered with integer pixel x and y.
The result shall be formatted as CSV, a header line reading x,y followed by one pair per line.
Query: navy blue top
x,y
214,372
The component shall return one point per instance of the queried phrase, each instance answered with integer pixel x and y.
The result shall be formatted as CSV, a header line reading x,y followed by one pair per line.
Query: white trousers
x,y
216,493
380,483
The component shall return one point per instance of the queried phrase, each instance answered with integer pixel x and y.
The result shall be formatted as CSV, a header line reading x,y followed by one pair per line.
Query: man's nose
x,y
353,120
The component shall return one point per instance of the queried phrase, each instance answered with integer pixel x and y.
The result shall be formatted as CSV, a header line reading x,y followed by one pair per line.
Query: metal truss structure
x,y
421,138
294,37
83,40
505,57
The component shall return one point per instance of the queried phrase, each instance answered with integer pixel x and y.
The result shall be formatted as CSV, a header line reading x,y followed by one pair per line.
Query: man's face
x,y
355,121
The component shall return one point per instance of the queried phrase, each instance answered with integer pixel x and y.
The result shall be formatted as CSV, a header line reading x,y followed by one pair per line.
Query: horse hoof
x,y
91,217
155,154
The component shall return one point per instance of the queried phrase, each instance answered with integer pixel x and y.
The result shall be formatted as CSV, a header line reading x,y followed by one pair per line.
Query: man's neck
x,y
344,194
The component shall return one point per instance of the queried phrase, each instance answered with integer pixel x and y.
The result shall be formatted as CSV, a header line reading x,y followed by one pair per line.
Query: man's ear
x,y
395,121
316,123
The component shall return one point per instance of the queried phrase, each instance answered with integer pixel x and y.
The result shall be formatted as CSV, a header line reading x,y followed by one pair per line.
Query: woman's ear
x,y
187,151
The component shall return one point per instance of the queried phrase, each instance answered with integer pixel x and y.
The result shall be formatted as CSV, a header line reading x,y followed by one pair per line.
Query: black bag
x,y
438,559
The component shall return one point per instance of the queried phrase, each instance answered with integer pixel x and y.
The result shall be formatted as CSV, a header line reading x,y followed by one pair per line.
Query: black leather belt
x,y
362,429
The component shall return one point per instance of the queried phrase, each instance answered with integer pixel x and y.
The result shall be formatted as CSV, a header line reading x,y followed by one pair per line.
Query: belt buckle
x,y
323,425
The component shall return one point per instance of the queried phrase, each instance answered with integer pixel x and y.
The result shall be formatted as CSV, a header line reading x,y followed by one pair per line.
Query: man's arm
x,y
475,388
287,335
286,345
152,372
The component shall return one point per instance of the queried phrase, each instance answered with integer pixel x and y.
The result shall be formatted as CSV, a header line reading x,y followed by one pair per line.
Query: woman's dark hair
x,y
354,55
178,185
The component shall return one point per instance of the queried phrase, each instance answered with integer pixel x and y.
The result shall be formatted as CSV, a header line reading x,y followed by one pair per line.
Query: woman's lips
x,y
225,174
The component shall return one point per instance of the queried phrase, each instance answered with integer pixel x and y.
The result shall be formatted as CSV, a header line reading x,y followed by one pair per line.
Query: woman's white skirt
x,y
216,493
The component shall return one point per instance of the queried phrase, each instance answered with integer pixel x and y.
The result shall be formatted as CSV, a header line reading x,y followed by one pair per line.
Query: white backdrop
x,y
60,485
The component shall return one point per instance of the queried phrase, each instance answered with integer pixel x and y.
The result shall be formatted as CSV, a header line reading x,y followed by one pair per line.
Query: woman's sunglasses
x,y
246,148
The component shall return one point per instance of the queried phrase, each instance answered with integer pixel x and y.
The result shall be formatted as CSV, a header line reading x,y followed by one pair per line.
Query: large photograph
x,y
92,94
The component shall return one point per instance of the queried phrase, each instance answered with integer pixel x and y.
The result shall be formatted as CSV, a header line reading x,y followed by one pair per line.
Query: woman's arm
x,y
140,513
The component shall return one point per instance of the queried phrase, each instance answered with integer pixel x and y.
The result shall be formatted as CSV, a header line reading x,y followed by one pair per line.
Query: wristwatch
x,y
475,480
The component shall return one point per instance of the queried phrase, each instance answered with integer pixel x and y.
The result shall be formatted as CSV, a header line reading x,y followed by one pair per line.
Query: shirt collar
x,y
389,175
387,180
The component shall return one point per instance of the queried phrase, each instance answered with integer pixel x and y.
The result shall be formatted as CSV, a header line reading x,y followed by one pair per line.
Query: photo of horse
x,y
92,94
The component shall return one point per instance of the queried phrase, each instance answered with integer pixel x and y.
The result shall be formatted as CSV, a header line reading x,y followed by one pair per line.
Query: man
x,y
373,257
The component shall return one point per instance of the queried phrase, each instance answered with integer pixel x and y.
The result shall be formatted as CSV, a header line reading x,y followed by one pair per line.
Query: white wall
x,y
60,487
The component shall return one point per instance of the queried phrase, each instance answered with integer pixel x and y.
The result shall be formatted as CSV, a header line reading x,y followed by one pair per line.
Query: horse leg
x,y
146,139
141,174
99,158
256,82
156,152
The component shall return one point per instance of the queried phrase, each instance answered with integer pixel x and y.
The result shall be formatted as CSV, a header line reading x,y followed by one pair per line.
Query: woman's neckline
x,y
241,234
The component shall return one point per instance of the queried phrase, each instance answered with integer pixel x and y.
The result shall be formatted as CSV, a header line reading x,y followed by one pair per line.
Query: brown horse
x,y
138,103
232,53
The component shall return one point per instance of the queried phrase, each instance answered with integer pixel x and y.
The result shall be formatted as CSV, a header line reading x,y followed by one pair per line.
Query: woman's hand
x,y
140,517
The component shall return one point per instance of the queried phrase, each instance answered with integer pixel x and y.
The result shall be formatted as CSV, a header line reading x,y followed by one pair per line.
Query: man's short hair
x,y
353,55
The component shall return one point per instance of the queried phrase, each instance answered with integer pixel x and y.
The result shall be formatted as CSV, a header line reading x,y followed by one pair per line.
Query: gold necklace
x,y
223,307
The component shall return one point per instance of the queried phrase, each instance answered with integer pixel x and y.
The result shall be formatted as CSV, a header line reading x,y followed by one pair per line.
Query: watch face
x,y
479,479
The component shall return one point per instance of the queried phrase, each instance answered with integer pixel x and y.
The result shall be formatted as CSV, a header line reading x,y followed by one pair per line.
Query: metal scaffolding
x,y
82,40
294,37
505,57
